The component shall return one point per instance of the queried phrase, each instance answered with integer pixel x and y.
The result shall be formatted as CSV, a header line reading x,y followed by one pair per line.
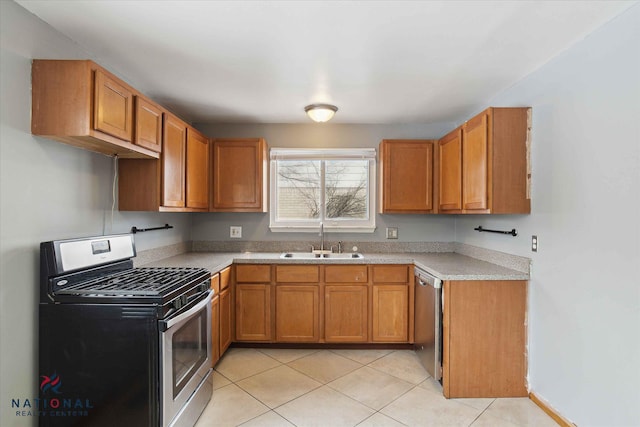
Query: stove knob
x,y
180,302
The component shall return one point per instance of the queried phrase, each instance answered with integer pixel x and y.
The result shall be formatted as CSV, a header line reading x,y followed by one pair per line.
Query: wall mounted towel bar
x,y
135,229
513,232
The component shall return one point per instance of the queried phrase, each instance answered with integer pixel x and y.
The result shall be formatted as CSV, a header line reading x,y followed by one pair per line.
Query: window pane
x,y
298,189
346,189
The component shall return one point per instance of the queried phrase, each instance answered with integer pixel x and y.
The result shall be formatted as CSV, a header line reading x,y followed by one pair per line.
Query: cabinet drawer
x,y
215,284
253,273
345,274
225,276
390,273
297,274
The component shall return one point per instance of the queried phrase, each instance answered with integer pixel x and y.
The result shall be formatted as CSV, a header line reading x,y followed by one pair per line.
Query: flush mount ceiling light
x,y
320,112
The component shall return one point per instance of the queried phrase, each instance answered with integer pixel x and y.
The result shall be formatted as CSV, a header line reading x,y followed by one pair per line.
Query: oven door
x,y
185,363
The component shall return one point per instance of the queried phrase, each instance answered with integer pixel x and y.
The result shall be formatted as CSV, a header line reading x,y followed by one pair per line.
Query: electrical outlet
x,y
534,243
392,232
235,232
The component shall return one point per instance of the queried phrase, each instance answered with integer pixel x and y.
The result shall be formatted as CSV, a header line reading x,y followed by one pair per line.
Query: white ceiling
x,y
378,61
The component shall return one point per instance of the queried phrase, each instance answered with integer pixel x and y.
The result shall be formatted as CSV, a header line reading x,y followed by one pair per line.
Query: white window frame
x,y
332,225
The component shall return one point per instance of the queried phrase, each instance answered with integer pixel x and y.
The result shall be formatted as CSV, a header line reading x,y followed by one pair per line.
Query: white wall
x,y
255,226
48,190
584,313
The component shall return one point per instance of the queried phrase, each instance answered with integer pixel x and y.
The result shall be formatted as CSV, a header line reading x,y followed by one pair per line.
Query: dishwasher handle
x,y
425,279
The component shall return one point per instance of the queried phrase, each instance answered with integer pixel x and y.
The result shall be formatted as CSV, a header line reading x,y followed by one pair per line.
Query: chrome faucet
x,y
321,237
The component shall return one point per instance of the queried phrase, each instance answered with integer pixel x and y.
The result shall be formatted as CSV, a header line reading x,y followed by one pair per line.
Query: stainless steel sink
x,y
309,255
344,256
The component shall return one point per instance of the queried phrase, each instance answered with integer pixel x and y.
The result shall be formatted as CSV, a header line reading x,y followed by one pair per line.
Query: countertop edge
x,y
221,260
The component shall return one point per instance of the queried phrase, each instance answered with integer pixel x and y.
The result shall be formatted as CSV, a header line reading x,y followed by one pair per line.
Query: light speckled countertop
x,y
445,266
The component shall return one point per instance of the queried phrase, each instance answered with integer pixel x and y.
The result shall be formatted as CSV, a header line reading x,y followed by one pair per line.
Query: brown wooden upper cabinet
x,y
406,174
239,178
197,170
113,107
179,181
483,164
450,167
148,120
80,103
174,162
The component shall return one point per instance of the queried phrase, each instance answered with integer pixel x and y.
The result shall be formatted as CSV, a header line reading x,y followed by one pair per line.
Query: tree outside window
x,y
329,190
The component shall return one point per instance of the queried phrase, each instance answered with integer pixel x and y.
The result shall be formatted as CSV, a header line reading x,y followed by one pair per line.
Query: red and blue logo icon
x,y
51,383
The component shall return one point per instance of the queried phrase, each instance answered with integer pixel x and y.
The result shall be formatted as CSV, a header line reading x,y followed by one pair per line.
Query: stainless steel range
x,y
123,345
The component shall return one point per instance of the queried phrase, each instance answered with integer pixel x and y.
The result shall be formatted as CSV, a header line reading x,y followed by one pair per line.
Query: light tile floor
x,y
335,388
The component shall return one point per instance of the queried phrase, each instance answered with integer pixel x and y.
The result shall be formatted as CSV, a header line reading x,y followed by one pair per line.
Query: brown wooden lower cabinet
x,y
225,320
346,313
297,313
484,330
390,313
253,312
323,303
215,330
484,339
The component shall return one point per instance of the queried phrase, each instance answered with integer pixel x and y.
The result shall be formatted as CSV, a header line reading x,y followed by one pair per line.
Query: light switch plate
x,y
534,243
235,232
392,232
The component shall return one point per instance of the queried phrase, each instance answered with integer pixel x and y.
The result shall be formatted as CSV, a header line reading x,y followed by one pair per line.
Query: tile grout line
x,y
421,386
270,369
403,394
322,385
497,416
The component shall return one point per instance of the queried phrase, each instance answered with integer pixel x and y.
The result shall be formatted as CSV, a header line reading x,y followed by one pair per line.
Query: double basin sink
x,y
323,256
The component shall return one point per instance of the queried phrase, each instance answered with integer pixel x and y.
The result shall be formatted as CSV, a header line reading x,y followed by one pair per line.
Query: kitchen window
x,y
335,187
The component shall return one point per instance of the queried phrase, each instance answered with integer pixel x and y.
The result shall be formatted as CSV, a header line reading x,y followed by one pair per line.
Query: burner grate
x,y
144,281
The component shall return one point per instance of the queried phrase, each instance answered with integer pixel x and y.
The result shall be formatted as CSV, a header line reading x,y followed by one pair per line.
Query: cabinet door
x,y
407,176
225,278
390,313
197,170
475,163
238,176
173,162
484,339
113,107
148,132
225,320
215,330
297,313
253,312
450,171
346,314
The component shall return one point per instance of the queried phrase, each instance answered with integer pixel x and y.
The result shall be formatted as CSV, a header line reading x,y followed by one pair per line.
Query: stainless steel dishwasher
x,y
428,322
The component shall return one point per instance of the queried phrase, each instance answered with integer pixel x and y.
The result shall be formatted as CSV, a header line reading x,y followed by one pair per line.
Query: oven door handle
x,y
169,323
